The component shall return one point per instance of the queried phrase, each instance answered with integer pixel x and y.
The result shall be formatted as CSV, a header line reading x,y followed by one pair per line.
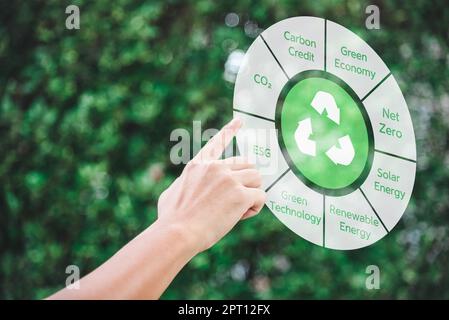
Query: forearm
x,y
140,270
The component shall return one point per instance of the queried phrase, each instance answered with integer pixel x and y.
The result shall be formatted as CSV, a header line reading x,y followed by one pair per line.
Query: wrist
x,y
179,234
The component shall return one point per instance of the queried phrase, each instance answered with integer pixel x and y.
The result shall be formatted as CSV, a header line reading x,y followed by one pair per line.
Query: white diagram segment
x,y
298,43
389,187
391,121
257,140
259,81
353,60
298,207
350,223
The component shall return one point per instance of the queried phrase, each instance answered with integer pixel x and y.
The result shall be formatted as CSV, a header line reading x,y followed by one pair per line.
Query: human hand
x,y
211,195
196,211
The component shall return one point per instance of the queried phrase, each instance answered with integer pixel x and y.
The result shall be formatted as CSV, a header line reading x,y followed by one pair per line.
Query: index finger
x,y
218,143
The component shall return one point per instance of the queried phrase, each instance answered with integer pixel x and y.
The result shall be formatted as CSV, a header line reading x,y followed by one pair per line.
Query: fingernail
x,y
235,123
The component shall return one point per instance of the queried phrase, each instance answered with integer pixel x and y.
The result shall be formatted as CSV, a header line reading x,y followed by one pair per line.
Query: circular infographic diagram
x,y
327,125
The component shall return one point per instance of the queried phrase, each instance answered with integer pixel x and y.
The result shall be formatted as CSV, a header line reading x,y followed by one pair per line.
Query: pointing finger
x,y
218,143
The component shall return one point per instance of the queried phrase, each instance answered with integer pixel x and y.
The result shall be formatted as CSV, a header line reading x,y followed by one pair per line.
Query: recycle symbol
x,y
344,153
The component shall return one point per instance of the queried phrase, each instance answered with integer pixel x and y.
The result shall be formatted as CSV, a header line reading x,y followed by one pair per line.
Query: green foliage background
x,y
85,120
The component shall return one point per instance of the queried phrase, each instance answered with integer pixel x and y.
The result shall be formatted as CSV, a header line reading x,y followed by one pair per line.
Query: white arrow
x,y
324,100
302,134
343,155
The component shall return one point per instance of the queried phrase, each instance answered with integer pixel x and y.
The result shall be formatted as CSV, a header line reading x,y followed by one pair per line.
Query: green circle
x,y
325,172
